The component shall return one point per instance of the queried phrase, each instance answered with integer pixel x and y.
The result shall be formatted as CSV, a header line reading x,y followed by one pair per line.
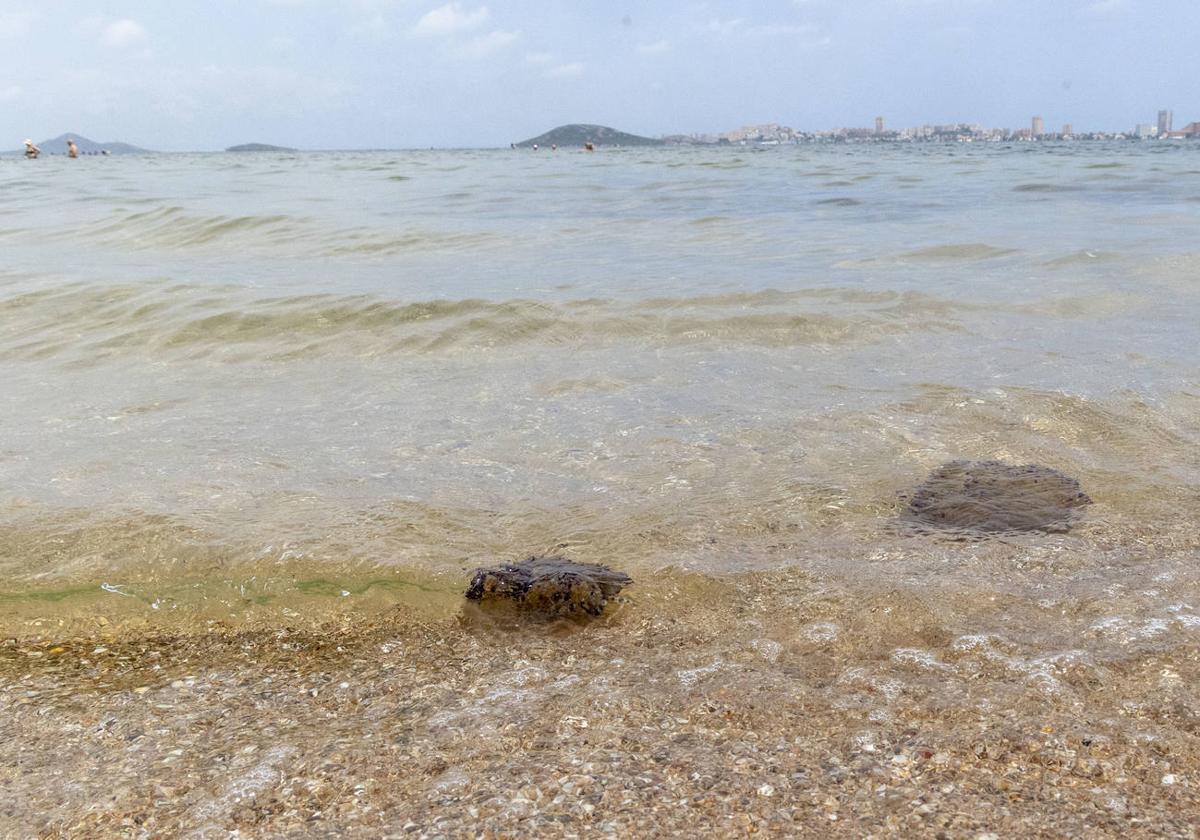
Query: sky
x,y
339,74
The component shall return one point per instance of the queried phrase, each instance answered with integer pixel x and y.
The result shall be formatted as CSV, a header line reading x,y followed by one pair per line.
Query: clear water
x,y
277,390
720,360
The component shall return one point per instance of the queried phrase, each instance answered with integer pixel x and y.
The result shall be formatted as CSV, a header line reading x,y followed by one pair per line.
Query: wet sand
x,y
779,704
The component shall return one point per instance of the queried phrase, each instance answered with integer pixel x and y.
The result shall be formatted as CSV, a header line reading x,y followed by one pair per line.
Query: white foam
x,y
822,631
692,676
920,658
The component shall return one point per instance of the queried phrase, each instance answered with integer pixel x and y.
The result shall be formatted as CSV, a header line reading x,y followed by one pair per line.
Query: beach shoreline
x,y
851,713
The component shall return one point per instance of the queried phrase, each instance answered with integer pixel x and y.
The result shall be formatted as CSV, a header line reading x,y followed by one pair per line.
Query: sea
x,y
711,359
277,389
232,373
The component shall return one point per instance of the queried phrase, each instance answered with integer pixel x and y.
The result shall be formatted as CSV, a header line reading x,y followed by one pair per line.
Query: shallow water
x,y
265,391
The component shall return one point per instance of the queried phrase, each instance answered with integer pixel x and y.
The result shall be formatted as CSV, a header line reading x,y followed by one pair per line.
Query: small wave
x,y
375,243
1098,305
1084,257
175,228
1046,188
84,324
840,202
1110,430
967,252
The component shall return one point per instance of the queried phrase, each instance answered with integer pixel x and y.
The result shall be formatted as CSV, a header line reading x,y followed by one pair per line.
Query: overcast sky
x,y
188,74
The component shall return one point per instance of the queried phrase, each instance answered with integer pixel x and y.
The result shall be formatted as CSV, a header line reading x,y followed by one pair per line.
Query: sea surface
x,y
263,373
263,390
716,359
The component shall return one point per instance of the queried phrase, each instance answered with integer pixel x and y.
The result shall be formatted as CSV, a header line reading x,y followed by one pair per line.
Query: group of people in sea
x,y
32,151
587,147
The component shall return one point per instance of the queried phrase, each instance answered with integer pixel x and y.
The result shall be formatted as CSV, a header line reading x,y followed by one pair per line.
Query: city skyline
x,y
777,132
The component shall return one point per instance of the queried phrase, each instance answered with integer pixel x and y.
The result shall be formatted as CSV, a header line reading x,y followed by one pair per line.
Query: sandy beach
x,y
775,706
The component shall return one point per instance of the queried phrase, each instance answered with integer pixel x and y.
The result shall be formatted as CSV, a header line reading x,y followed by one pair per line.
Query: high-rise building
x,y
1164,123
1038,128
879,125
1067,132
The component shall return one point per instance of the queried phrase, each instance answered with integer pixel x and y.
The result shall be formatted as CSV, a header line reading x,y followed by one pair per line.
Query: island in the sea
x,y
259,147
579,134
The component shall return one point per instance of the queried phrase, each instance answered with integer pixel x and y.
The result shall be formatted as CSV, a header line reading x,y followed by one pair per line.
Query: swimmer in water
x,y
72,149
31,151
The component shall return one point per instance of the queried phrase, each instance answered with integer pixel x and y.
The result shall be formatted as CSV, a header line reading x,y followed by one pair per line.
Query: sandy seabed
x,y
775,706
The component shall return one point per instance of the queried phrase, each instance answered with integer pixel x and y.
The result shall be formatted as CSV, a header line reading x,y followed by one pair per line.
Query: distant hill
x,y
58,145
577,134
259,147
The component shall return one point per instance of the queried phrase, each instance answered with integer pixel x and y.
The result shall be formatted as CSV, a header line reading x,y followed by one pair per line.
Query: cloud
x,y
1104,7
451,18
655,48
725,27
564,71
552,67
9,93
486,45
122,33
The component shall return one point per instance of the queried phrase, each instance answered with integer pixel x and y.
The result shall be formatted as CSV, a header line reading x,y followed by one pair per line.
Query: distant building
x,y
771,133
1038,128
1067,132
1144,130
879,125
1164,123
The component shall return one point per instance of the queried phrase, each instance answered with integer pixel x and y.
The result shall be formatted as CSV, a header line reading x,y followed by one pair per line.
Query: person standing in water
x,y
31,151
72,149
